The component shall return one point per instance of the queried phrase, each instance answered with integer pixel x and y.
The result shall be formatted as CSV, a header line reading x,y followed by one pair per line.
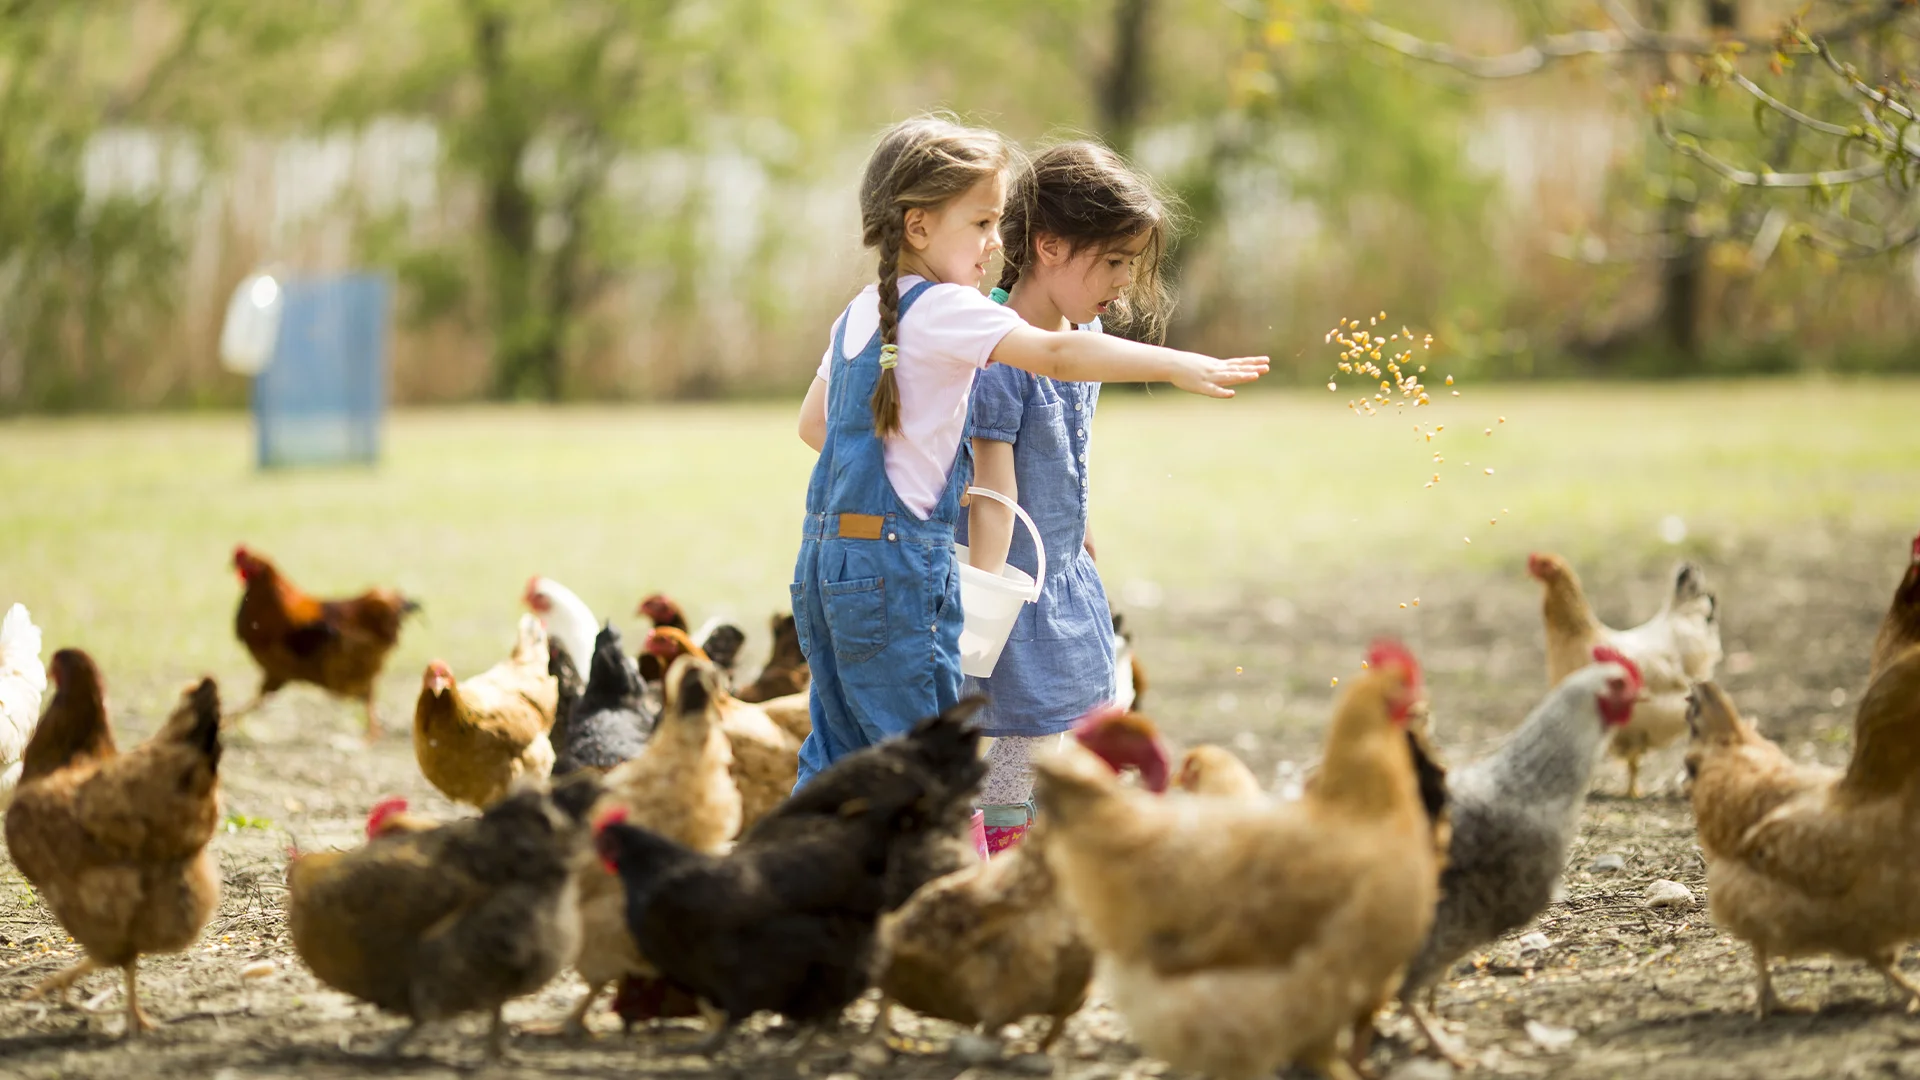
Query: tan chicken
x,y
117,843
996,941
1239,935
1804,860
1214,770
1673,650
475,740
679,787
766,757
792,714
431,923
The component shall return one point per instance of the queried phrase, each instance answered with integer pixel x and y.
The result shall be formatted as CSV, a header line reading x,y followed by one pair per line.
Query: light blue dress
x,y
1058,663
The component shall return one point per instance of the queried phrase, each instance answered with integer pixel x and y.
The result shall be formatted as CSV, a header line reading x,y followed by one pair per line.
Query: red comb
x,y
614,816
382,810
1607,654
1916,549
1387,653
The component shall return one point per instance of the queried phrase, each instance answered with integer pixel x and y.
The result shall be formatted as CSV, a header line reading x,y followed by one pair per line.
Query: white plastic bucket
x,y
992,602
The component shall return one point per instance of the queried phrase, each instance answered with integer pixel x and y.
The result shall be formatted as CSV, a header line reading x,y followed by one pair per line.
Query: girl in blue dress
x,y
1084,235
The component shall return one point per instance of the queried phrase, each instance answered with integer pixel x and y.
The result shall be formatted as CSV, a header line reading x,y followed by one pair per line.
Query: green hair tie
x,y
998,295
889,356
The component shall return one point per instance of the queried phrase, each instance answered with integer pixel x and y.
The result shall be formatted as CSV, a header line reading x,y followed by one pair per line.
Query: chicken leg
x,y
373,718
1888,965
497,1036
575,1026
1633,776
138,1022
63,981
1765,1000
1440,1043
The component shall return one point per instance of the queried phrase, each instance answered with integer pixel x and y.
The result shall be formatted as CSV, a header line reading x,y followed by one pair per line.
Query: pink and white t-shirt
x,y
948,335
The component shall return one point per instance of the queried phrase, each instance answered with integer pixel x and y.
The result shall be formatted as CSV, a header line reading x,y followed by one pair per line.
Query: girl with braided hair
x,y
876,592
1084,237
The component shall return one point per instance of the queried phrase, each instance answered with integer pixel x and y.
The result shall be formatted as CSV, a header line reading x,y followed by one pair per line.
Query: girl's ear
x,y
1051,250
919,228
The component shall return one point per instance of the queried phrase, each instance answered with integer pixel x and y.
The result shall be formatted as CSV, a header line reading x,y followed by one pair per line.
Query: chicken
x,y
474,740
1900,629
23,682
1513,816
1804,860
567,688
1213,770
390,817
1237,935
792,714
786,673
608,724
721,641
995,941
785,922
117,843
679,787
766,756
569,621
337,645
449,920
664,614
1673,650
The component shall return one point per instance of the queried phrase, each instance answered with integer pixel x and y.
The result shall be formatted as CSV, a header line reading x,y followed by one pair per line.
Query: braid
x,y
886,392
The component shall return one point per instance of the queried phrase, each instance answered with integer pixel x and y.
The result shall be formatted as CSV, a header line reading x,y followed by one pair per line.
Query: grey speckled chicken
x,y
1514,815
608,723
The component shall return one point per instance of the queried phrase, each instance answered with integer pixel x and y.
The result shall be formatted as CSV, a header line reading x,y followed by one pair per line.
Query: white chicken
x,y
1676,648
568,619
23,681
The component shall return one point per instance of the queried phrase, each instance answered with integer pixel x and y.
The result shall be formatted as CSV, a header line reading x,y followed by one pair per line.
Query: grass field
x,y
1256,546
118,531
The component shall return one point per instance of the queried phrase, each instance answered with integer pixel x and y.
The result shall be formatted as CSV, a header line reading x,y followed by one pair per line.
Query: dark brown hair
x,y
921,163
1090,197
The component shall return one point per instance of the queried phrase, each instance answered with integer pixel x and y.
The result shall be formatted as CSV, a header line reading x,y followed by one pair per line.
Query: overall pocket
x,y
856,617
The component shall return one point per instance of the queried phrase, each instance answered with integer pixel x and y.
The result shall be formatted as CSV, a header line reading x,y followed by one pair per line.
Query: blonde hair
x,y
1089,196
922,163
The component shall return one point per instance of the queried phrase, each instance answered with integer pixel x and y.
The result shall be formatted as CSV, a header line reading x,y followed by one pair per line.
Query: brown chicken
x,y
663,613
1900,629
1804,860
786,673
680,787
449,920
1676,648
996,941
475,740
117,843
1238,935
337,645
766,757
1213,770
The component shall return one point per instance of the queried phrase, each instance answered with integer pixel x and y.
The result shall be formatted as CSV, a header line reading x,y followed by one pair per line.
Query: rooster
x,y
1238,935
23,681
337,645
1673,650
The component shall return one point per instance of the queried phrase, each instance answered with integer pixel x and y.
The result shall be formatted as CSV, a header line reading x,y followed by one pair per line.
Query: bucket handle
x,y
1039,545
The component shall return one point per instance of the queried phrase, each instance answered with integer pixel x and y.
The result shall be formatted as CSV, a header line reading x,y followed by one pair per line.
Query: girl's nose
x,y
994,243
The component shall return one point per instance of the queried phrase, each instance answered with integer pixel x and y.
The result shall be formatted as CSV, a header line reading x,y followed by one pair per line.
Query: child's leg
x,y
1007,795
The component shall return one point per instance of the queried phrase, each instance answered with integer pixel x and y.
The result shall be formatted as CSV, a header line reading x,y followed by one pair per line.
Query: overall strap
x,y
912,295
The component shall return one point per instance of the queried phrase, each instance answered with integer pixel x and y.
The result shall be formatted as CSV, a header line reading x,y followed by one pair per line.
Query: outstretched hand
x,y
1212,377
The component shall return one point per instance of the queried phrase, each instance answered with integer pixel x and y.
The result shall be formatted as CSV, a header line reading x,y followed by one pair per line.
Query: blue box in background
x,y
323,397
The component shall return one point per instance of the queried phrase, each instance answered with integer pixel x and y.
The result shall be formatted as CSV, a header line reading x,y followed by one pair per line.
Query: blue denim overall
x,y
876,592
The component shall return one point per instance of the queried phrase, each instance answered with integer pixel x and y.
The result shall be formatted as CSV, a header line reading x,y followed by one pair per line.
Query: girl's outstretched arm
x,y
813,416
1105,358
990,523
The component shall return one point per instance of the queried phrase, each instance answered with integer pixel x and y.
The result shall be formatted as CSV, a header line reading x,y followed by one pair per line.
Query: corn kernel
x,y
1335,682
1333,386
1403,607
1489,472
1489,431
1468,539
1416,601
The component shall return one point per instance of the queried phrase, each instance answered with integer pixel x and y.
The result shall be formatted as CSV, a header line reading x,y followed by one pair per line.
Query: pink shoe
x,y
1002,837
1005,826
980,841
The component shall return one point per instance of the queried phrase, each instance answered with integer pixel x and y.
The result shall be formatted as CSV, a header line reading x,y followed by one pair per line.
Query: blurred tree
x,y
1819,154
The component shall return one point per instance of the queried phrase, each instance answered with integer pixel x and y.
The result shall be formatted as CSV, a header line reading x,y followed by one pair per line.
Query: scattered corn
x,y
1335,682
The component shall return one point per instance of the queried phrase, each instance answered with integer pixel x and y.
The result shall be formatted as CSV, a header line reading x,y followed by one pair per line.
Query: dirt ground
x,y
1616,989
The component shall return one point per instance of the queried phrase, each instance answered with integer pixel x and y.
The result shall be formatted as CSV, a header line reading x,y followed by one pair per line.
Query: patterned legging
x,y
1010,769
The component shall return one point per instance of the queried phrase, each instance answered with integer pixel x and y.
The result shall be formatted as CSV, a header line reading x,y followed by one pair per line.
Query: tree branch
x,y
1823,51
1789,111
1737,175
1629,37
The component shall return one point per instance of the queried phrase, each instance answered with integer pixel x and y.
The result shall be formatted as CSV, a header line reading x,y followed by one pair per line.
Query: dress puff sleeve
x,y
999,403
